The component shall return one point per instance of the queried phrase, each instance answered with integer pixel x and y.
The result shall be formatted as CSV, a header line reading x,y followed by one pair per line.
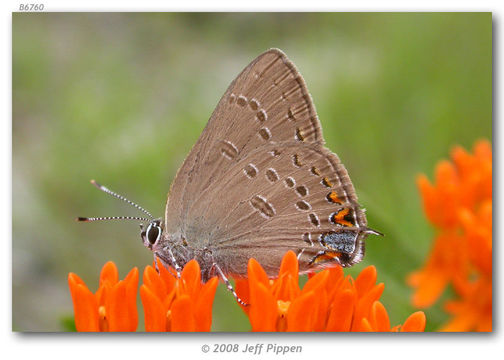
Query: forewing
x,y
267,103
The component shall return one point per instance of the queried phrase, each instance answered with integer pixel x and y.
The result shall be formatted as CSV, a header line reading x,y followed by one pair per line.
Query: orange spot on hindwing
x,y
342,217
333,198
327,256
326,182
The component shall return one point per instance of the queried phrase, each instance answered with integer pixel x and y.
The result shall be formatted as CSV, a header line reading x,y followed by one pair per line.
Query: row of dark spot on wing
x,y
255,85
325,192
266,129
223,133
300,133
339,245
292,104
305,130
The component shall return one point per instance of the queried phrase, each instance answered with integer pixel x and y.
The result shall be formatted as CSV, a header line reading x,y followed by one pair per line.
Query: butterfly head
x,y
151,235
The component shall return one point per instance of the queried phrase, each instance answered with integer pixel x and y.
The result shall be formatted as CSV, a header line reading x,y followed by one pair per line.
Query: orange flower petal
x,y
341,313
428,193
286,287
429,289
242,290
335,275
415,322
154,311
363,307
74,279
447,261
463,161
131,281
120,305
478,227
109,274
290,265
366,280
379,317
182,314
167,275
191,278
102,293
117,309
85,305
256,273
154,282
365,326
336,282
483,149
302,312
321,310
263,308
203,307
317,285
316,282
460,323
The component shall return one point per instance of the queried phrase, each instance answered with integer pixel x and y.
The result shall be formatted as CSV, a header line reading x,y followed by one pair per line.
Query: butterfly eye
x,y
153,233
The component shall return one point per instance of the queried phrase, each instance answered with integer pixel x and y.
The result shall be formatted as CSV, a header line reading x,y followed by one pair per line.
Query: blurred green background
x,y
121,98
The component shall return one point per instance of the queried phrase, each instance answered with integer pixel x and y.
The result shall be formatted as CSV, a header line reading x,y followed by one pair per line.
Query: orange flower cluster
x,y
329,301
112,308
459,205
170,304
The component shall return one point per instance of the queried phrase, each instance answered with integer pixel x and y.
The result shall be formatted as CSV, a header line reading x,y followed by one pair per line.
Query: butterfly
x,y
258,183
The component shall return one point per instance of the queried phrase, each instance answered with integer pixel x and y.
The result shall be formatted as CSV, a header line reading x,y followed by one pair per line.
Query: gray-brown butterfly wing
x,y
285,196
268,99
258,182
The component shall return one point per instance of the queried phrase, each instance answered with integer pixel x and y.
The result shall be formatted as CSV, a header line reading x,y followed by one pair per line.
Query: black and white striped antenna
x,y
120,197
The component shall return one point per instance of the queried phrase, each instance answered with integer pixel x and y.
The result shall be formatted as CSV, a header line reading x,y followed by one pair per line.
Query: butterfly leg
x,y
169,268
168,262
173,261
228,284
